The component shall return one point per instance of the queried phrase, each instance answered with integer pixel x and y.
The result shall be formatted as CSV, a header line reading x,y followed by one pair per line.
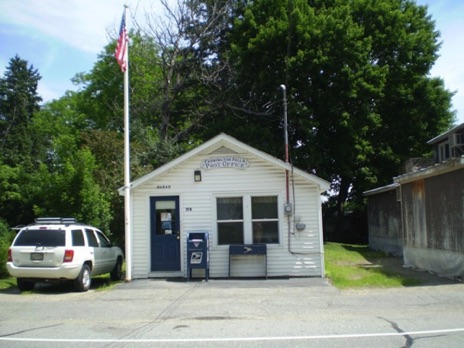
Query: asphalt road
x,y
234,313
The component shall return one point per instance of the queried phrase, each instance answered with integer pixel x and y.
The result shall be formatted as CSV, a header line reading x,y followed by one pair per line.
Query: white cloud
x,y
62,38
81,24
70,33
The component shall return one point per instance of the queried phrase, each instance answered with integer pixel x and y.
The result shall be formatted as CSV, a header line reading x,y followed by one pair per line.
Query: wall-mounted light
x,y
197,175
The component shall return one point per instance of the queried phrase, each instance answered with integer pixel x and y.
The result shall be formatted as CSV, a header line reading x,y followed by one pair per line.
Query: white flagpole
x,y
127,195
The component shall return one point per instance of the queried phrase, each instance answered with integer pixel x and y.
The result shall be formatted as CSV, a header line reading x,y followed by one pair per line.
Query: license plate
x,y
37,256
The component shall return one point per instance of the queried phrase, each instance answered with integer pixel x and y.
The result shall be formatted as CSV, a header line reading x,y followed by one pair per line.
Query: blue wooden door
x,y
165,233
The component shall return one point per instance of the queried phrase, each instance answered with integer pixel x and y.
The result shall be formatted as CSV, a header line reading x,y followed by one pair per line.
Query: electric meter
x,y
288,208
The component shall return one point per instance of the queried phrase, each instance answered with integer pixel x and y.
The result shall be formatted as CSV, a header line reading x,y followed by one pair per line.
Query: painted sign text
x,y
225,162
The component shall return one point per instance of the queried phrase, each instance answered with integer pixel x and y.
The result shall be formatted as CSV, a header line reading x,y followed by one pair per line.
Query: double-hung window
x,y
230,220
265,219
247,219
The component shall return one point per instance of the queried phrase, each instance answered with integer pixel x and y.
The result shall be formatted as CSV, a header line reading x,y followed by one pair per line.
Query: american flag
x,y
123,41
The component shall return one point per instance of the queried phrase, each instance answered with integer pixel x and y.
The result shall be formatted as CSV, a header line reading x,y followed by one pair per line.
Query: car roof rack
x,y
55,220
18,227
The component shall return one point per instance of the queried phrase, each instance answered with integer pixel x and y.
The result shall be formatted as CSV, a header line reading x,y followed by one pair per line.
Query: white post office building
x,y
241,197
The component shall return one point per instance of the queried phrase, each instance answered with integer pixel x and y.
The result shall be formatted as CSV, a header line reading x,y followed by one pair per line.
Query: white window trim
x,y
247,221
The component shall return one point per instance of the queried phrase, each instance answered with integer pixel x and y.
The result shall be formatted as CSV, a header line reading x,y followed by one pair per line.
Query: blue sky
x,y
63,37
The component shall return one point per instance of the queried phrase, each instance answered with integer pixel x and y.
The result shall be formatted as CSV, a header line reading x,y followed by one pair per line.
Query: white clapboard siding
x,y
299,255
140,235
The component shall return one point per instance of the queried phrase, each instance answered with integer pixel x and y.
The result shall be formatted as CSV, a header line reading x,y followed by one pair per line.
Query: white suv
x,y
61,249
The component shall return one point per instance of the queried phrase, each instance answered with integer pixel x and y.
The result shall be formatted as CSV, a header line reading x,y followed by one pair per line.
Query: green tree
x,y
19,101
100,99
360,100
356,77
72,181
22,149
70,190
186,39
6,238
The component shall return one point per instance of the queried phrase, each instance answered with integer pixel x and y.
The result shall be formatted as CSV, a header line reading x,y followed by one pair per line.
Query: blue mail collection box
x,y
197,253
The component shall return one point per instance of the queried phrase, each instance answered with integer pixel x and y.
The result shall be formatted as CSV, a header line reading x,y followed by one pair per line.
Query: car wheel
x,y
116,273
24,285
83,280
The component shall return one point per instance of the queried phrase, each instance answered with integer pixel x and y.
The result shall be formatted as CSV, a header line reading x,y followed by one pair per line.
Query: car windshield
x,y
45,238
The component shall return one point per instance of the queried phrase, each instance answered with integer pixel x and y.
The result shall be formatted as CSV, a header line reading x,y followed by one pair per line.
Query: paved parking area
x,y
249,313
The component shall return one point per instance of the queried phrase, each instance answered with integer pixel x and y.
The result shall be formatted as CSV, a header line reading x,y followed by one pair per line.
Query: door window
x,y
104,243
166,219
91,238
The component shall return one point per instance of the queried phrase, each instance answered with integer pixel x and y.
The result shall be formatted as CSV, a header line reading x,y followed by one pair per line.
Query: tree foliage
x,y
360,101
19,101
21,150
360,97
6,238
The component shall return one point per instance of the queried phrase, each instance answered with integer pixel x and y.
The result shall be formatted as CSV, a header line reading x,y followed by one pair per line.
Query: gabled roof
x,y
445,135
224,140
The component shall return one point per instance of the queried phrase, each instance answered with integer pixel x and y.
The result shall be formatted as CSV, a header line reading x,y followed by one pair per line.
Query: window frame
x,y
247,216
91,238
103,241
75,241
264,220
242,220
444,152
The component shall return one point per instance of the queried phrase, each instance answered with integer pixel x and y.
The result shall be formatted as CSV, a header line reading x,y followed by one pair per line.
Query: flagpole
x,y
127,195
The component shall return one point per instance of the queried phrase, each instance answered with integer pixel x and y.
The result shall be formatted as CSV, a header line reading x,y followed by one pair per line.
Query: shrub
x,y
6,237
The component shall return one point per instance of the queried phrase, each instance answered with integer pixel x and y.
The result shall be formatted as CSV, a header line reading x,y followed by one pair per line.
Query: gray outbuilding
x,y
421,215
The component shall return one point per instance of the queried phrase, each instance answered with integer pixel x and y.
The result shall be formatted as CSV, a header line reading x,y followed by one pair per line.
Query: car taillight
x,y
68,255
10,258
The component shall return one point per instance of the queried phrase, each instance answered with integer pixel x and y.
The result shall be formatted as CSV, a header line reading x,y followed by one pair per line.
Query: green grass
x,y
347,266
99,283
357,266
7,283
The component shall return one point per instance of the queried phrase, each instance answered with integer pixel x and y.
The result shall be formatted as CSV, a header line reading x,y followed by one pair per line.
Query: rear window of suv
x,y
46,238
